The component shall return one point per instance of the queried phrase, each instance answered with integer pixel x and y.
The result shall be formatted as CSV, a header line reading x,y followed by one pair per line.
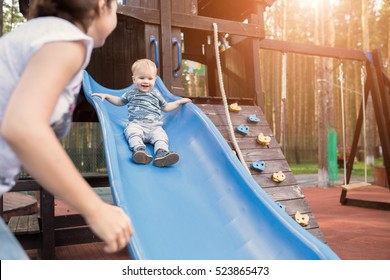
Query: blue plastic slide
x,y
207,206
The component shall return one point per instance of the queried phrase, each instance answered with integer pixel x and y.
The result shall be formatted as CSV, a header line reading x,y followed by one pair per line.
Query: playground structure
x,y
169,32
205,207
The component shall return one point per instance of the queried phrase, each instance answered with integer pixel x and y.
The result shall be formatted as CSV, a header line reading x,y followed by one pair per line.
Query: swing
x,y
346,186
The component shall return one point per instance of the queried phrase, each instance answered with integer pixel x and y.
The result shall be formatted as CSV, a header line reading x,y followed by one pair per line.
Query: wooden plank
x,y
22,227
180,20
166,43
146,15
13,223
250,142
294,205
142,4
33,224
219,109
27,224
265,180
261,153
314,50
353,186
282,193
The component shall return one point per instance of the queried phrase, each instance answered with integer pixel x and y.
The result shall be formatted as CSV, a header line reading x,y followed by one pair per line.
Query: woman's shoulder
x,y
47,29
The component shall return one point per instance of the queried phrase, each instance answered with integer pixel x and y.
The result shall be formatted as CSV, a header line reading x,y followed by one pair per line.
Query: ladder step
x,y
355,186
24,224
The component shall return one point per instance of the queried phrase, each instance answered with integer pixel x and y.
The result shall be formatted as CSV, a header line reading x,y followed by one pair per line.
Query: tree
x,y
1,17
325,35
11,17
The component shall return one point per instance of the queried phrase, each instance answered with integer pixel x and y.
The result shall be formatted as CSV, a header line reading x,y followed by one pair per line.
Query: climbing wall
x,y
269,166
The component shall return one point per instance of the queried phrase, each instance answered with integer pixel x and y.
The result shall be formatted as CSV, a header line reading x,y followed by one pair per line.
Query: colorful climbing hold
x,y
243,129
302,219
253,119
278,177
263,140
234,108
258,165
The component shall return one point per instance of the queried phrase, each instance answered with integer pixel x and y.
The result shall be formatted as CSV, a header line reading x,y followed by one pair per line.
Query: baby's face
x,y
144,79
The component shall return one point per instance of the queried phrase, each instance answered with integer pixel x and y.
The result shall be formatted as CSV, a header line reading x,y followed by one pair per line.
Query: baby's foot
x,y
165,158
141,156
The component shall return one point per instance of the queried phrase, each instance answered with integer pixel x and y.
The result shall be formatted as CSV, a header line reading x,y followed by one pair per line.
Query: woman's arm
x,y
175,104
26,128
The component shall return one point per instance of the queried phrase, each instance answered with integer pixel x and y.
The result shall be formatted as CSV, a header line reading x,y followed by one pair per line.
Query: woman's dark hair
x,y
80,11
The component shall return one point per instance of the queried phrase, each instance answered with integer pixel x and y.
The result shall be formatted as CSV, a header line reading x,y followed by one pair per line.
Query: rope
x,y
362,79
283,102
341,79
225,103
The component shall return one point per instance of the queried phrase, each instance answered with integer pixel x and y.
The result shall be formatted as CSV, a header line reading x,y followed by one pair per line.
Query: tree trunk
x,y
388,51
324,86
370,114
1,17
283,111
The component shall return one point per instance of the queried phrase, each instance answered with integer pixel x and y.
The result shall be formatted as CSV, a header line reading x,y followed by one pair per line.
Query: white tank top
x,y
16,48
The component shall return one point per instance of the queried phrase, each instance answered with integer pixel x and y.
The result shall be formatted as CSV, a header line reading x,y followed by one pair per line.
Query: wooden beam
x,y
146,15
224,26
152,16
382,100
314,50
47,224
29,184
166,42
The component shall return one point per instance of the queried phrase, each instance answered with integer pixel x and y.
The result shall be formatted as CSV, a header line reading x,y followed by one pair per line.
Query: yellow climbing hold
x,y
234,108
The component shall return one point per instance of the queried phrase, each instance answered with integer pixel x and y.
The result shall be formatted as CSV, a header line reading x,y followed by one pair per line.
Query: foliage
x,y
346,15
312,168
294,21
12,18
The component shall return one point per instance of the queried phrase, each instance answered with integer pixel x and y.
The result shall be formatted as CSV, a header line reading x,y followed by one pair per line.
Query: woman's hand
x,y
112,225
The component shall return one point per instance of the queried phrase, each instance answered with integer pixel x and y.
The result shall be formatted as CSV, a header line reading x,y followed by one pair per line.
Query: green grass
x,y
312,168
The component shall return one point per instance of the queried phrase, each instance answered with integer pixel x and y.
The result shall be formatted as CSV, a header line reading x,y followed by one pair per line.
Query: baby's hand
x,y
185,100
101,95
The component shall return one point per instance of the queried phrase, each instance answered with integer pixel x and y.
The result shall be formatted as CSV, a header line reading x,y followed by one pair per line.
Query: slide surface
x,y
206,206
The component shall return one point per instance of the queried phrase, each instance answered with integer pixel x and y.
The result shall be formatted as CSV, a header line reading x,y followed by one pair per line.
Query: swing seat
x,y
355,186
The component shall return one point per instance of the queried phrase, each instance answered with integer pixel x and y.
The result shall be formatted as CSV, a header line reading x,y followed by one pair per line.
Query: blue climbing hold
x,y
253,119
258,165
243,129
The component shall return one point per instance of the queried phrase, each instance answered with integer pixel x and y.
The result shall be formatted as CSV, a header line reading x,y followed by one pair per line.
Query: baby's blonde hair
x,y
142,64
